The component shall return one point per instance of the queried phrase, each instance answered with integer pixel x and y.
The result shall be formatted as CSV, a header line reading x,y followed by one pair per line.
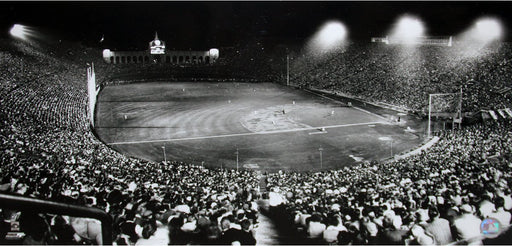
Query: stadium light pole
x,y
429,109
287,68
237,159
165,156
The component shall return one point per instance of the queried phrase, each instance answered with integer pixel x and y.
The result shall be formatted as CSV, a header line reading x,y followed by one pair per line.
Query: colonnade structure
x,y
157,53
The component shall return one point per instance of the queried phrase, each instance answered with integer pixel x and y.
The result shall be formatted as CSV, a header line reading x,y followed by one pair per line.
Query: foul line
x,y
358,108
247,134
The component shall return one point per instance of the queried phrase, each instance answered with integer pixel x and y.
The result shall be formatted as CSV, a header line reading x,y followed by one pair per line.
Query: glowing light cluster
x,y
107,53
18,31
407,29
329,37
23,32
487,29
331,34
214,53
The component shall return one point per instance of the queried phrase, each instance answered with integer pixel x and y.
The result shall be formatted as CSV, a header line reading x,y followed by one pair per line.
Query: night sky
x,y
199,25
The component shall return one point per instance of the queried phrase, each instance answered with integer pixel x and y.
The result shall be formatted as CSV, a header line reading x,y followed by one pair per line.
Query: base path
x,y
250,133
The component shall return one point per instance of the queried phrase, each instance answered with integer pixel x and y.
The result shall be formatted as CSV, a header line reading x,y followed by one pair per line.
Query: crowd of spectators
x,y
405,76
437,197
48,151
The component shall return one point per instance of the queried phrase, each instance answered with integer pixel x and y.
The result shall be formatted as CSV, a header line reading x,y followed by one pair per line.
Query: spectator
x,y
390,234
439,227
501,214
467,226
63,231
229,233
334,227
36,229
420,237
247,234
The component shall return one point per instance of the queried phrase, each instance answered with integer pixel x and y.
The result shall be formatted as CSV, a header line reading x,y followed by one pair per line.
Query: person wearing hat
x,y
439,227
229,233
467,226
369,228
390,234
501,214
506,194
36,229
246,236
420,237
315,227
335,225
486,207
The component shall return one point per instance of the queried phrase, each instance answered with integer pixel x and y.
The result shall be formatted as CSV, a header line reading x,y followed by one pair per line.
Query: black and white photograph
x,y
255,122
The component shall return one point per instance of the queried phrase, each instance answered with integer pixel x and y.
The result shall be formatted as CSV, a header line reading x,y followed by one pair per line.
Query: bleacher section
x,y
48,151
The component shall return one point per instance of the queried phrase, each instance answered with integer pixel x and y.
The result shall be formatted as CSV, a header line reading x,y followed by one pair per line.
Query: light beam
x,y
330,36
23,32
483,32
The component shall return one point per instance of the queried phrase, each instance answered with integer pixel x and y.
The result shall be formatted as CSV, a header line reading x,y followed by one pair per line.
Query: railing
x,y
19,203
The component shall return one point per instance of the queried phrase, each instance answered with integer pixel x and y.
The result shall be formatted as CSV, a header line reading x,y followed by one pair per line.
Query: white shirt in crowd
x,y
316,229
502,216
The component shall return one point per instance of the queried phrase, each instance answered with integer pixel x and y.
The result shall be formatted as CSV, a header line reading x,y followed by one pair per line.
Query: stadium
x,y
256,123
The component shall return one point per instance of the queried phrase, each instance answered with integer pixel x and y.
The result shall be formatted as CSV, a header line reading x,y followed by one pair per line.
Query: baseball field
x,y
261,126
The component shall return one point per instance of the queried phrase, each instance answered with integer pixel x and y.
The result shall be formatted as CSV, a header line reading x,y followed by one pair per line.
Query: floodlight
x,y
107,53
487,29
214,53
407,29
18,31
483,32
330,36
23,32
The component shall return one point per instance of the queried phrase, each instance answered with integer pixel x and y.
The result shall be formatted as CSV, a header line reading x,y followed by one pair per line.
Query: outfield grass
x,y
205,123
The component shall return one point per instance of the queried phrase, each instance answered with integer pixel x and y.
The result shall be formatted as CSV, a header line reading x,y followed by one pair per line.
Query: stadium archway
x,y
175,57
163,55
